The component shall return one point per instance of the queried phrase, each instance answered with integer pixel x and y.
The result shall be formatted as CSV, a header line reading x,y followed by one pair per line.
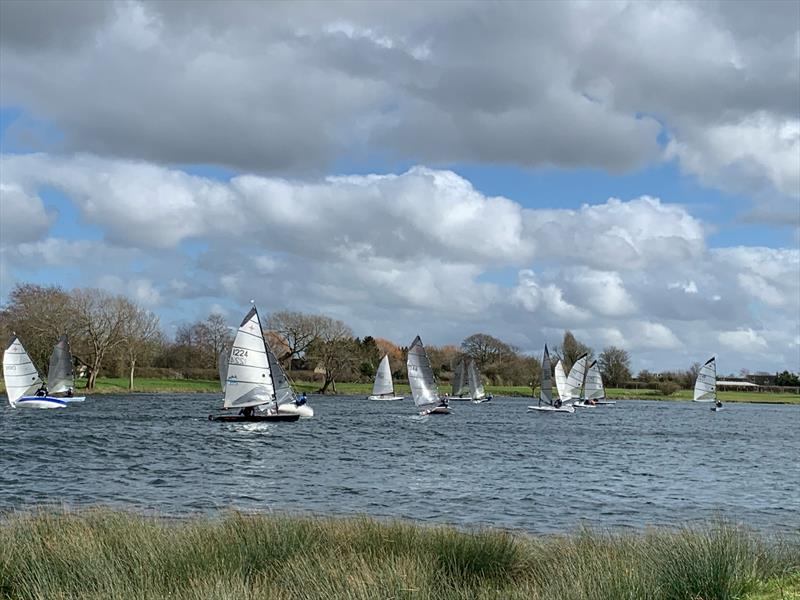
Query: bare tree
x,y
571,350
100,324
486,349
141,333
334,350
615,366
298,331
38,315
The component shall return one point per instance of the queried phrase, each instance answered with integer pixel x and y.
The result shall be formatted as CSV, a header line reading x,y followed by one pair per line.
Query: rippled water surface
x,y
632,465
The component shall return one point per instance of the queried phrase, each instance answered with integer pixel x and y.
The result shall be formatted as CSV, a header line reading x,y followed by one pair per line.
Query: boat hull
x,y
253,418
304,410
384,398
583,405
438,410
606,402
40,402
561,409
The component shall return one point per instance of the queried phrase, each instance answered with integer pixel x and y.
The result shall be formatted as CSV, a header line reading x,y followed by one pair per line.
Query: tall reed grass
x,y
102,554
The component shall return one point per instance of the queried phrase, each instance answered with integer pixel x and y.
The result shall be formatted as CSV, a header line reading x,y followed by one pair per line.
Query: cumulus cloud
x,y
422,255
743,339
23,217
566,84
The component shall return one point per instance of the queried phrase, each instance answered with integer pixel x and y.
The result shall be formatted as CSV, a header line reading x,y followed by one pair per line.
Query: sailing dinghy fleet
x,y
254,382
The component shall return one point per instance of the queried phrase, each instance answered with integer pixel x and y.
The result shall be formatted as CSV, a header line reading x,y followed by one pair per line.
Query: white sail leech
x,y
705,388
60,376
476,390
561,382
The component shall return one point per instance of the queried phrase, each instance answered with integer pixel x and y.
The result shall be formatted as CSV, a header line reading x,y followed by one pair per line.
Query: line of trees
x,y
110,334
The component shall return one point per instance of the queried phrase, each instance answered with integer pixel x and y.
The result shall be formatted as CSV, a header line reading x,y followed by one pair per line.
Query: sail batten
x,y
383,385
420,375
705,388
594,383
249,379
546,388
18,382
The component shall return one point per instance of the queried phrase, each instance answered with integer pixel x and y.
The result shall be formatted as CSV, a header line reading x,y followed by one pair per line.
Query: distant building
x,y
762,378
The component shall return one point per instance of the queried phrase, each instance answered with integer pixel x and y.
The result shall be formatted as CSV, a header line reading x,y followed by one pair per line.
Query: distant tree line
x,y
112,335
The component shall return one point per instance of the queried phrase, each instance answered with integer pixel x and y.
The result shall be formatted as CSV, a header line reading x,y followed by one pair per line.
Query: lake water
x,y
637,464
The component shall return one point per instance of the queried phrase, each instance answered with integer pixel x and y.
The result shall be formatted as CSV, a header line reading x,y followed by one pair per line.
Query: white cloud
x,y
743,340
23,217
689,287
648,334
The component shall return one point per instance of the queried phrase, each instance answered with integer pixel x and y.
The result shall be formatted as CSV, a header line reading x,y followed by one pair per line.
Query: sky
x,y
629,171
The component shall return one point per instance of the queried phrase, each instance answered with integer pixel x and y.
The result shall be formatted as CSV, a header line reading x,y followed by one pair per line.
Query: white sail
x,y
476,390
420,375
249,380
575,377
705,388
19,372
546,388
561,381
284,394
594,383
383,385
460,383
60,376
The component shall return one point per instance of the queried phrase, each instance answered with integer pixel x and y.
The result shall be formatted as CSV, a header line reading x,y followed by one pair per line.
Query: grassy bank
x,y
101,554
109,385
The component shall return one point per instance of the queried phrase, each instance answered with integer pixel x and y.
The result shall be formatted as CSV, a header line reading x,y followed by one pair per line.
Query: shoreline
x,y
98,553
195,386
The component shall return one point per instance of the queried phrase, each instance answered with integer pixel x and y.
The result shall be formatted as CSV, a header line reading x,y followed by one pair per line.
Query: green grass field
x,y
100,554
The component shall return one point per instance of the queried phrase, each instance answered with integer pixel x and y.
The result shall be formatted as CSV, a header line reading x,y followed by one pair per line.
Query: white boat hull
x,y
438,410
481,400
384,398
583,405
606,402
561,409
70,399
40,402
716,408
304,410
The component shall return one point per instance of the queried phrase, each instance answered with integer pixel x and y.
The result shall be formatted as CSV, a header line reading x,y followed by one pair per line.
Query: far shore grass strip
x,y
111,385
100,553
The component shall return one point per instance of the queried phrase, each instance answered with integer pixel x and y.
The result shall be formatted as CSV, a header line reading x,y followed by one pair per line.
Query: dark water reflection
x,y
636,464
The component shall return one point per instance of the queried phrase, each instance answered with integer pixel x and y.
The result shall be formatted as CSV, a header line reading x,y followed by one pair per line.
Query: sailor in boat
x,y
247,411
718,404
301,400
42,391
69,393
557,402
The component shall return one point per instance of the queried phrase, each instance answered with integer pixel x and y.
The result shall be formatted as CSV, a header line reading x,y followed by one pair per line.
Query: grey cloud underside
x,y
291,88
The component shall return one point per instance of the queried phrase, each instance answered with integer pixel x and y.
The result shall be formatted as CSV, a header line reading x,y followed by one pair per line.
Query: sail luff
x,y
420,375
249,379
576,376
20,374
594,383
383,379
60,377
705,388
546,388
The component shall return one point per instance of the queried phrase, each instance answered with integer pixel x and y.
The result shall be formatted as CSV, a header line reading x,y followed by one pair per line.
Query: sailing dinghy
x,y
575,380
705,388
383,388
594,391
546,402
24,385
288,403
476,390
423,382
249,381
460,385
60,373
